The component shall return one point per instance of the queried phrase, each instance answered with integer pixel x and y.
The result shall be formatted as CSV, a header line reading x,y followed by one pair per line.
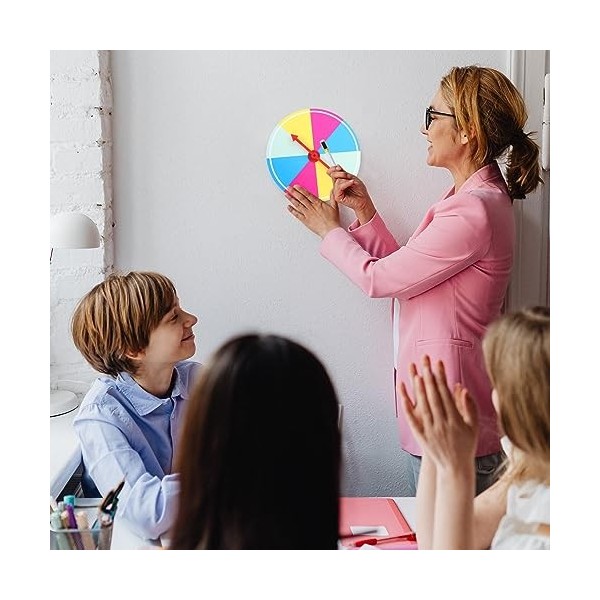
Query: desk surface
x,y
65,457
124,539
65,454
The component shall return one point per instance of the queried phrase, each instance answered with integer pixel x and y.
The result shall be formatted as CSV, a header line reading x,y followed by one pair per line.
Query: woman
x,y
259,457
450,278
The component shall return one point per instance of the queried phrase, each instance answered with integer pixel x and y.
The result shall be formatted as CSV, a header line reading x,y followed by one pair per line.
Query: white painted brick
x,y
74,284
80,180
76,93
77,194
64,259
72,61
75,129
71,161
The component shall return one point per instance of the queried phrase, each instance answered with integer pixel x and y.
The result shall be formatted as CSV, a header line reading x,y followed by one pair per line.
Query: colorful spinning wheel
x,y
295,154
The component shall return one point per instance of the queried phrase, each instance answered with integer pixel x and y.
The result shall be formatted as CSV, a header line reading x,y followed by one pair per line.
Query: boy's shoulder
x,y
102,397
99,389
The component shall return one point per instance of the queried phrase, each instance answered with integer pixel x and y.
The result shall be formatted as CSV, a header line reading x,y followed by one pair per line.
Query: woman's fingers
x,y
298,195
344,185
338,172
295,204
299,215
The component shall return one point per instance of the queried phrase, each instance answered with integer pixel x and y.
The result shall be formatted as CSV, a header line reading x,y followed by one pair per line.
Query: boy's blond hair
x,y
516,348
117,316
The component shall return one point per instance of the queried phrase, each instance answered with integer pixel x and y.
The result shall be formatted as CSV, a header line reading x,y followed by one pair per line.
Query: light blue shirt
x,y
127,433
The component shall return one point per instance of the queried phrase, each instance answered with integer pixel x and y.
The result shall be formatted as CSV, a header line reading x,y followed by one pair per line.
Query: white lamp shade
x,y
73,230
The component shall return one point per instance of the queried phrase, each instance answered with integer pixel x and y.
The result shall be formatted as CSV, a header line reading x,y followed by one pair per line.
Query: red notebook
x,y
367,518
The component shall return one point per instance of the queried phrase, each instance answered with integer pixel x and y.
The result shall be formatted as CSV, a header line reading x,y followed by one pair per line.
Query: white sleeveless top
x,y
527,506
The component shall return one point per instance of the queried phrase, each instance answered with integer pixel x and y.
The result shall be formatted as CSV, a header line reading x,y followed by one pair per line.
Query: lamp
x,y
73,230
70,230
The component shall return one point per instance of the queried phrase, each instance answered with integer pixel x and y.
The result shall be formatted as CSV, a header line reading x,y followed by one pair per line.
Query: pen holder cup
x,y
95,538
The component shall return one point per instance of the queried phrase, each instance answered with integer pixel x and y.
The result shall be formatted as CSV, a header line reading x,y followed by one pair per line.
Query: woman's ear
x,y
467,136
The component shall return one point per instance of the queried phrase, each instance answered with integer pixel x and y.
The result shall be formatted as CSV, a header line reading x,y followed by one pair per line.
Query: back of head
x,y
259,455
117,316
517,355
488,106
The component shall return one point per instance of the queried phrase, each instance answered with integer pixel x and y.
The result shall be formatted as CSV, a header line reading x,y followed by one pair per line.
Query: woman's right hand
x,y
350,191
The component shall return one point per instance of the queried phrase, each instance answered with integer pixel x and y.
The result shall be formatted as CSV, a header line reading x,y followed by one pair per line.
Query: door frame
x,y
529,284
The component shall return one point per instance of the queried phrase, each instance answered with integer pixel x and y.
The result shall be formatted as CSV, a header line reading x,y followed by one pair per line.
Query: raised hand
x,y
444,423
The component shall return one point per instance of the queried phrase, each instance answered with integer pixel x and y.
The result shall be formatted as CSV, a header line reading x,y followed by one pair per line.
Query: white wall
x,y
80,181
193,199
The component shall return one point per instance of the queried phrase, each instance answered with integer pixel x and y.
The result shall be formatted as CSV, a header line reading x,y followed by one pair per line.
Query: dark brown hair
x,y
259,456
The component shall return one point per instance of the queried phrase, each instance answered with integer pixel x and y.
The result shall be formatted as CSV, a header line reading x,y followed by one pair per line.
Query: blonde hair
x,y
486,104
117,317
516,348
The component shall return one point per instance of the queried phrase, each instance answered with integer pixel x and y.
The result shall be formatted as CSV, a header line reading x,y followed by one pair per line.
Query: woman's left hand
x,y
319,216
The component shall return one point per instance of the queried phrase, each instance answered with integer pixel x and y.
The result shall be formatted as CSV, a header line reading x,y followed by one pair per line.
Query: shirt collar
x,y
143,401
486,173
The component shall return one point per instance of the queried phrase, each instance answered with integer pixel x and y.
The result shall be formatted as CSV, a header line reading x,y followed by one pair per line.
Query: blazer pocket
x,y
445,342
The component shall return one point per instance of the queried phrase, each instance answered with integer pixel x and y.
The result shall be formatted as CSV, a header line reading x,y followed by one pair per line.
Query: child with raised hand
x,y
515,512
132,329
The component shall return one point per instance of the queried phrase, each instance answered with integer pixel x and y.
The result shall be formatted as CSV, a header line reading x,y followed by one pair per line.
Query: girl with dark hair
x,y
259,457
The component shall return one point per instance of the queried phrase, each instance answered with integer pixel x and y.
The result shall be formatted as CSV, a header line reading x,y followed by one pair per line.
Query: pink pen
x,y
411,537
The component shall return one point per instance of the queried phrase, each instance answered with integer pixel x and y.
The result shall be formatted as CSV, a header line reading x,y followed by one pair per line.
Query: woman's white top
x,y
527,507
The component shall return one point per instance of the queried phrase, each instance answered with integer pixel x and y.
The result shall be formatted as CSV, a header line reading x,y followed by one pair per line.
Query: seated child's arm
x,y
490,507
149,498
425,502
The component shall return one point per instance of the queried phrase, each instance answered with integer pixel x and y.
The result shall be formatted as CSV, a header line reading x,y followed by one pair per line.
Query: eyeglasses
x,y
429,111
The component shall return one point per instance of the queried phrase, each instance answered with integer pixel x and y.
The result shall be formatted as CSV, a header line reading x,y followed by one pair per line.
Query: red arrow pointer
x,y
296,139
313,155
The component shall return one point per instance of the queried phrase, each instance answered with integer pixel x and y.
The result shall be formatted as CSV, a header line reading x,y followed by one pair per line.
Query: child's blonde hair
x,y
516,348
117,317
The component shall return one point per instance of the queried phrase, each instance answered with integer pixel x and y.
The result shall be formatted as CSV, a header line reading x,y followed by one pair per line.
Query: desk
x,y
65,454
124,539
65,457
408,507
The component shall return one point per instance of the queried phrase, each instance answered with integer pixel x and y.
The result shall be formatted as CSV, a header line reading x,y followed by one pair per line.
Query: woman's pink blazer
x,y
450,278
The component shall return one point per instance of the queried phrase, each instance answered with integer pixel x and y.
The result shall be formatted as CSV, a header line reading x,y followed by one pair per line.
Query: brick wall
x,y
80,181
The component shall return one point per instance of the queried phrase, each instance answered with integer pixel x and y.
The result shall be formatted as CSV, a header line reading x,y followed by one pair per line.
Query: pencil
x,y
84,527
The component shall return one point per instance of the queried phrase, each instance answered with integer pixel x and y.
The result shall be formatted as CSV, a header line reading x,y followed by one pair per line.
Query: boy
x,y
132,329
